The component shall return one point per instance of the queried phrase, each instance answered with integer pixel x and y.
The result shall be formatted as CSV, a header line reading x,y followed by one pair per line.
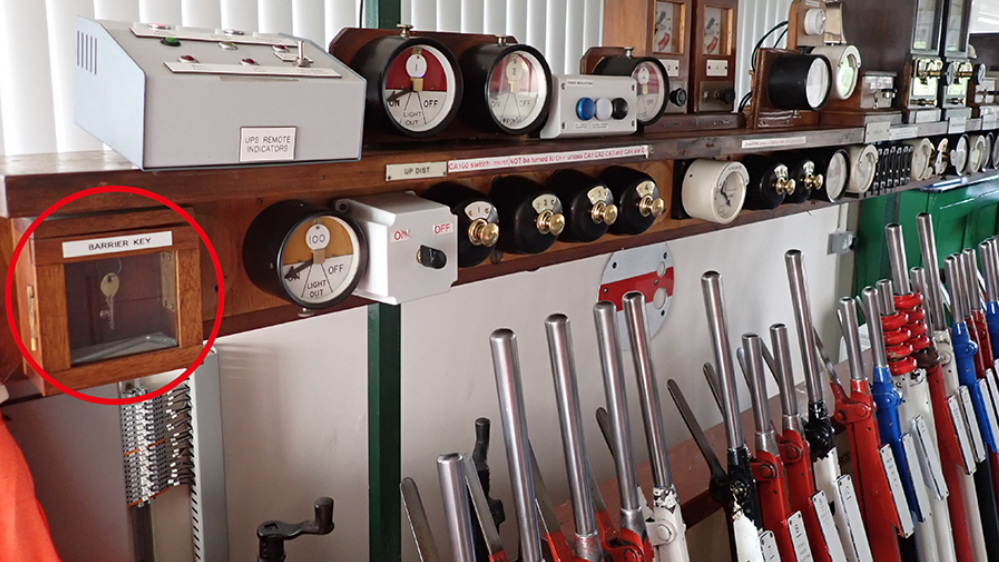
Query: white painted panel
x,y
62,65
25,88
424,14
294,416
307,20
495,17
118,10
472,16
447,372
555,35
202,13
239,14
274,15
449,15
160,11
574,22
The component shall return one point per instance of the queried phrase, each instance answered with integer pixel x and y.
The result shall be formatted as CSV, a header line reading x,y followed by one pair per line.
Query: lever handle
x,y
272,534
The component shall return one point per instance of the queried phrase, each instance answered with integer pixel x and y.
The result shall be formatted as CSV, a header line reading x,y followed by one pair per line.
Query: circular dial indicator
x,y
837,174
420,88
669,19
319,260
652,91
518,90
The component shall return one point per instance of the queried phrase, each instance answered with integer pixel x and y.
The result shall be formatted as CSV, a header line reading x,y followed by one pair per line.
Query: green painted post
x,y
384,14
384,432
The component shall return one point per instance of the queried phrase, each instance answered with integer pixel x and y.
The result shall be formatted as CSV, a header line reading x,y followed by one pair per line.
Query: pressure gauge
x,y
507,87
806,179
863,167
799,82
714,190
478,220
309,256
588,205
638,199
977,152
531,214
414,83
769,182
923,153
650,78
668,26
957,156
845,61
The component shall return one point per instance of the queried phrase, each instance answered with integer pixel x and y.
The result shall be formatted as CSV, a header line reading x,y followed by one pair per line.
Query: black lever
x,y
480,455
272,534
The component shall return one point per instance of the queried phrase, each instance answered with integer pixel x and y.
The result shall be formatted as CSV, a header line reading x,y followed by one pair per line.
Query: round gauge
x,y
507,87
478,220
714,190
588,205
958,155
414,83
650,78
994,153
863,166
950,74
922,159
806,179
837,175
987,156
638,198
940,157
799,82
845,61
977,152
832,171
309,256
769,182
978,73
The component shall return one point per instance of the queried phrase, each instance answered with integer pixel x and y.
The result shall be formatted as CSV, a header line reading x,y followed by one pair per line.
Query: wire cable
x,y
759,43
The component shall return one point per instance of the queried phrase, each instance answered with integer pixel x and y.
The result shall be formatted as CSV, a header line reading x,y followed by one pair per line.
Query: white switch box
x,y
591,106
412,246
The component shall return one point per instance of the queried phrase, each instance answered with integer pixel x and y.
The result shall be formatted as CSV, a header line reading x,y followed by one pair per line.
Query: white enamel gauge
x,y
518,90
669,20
420,89
863,166
652,90
941,157
958,156
837,174
922,159
845,61
818,84
319,261
714,190
977,151
713,24
987,154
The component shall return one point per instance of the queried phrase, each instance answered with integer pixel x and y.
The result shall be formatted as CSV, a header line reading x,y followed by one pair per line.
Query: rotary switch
x,y
531,215
587,203
806,180
478,220
769,182
638,198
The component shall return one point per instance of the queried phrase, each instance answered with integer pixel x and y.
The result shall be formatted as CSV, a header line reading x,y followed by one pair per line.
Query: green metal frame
x,y
384,432
384,14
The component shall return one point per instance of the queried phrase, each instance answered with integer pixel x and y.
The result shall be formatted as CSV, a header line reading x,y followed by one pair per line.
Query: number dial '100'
x,y
319,259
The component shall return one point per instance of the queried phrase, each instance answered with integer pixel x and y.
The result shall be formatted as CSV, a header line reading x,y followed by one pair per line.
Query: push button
x,y
678,96
604,109
620,109
187,58
170,41
248,62
585,109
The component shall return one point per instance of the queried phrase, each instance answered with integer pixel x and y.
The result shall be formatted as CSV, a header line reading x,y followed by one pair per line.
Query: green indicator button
x,y
170,42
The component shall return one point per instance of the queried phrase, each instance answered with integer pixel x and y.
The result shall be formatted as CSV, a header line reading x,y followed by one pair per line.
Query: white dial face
x,y
836,175
728,196
419,88
818,83
922,159
651,91
319,260
976,153
959,156
669,21
713,23
518,90
847,74
863,166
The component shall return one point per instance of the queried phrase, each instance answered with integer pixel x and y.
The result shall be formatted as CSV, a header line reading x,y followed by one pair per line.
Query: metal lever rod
x,y
718,326
847,313
506,364
766,439
803,319
418,522
933,292
451,472
785,378
480,503
718,475
896,256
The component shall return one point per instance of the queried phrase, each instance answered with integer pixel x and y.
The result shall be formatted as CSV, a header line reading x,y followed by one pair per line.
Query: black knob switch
x,y
806,178
638,199
587,203
769,182
678,97
620,106
478,220
726,95
531,214
431,257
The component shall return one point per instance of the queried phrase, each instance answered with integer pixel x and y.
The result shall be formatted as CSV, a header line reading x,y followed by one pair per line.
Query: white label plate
x,y
250,70
769,544
850,522
930,457
717,68
957,125
266,144
827,524
903,133
916,477
974,426
963,434
990,410
419,170
115,244
548,158
897,493
799,538
672,67
774,143
877,132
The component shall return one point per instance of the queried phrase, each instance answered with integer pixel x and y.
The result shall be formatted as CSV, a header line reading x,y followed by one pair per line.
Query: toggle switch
x,y
431,257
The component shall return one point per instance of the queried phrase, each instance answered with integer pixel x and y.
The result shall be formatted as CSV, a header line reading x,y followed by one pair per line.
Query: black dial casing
x,y
267,236
477,66
797,166
624,183
822,157
572,187
788,78
458,197
373,60
514,197
762,194
624,65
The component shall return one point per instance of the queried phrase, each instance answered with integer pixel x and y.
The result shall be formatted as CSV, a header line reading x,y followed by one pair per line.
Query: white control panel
x,y
412,246
166,96
591,106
